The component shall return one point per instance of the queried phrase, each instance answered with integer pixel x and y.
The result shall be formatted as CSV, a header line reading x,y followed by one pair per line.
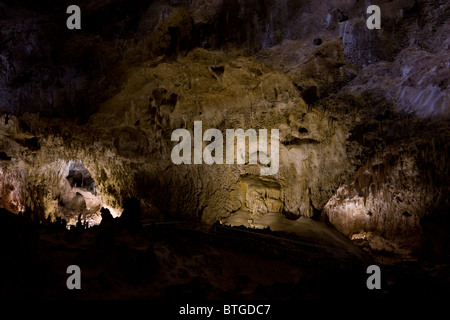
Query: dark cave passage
x,y
80,177
82,202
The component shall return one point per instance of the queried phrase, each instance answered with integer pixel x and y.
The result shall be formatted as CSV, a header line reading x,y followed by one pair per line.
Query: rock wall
x,y
126,147
384,204
356,108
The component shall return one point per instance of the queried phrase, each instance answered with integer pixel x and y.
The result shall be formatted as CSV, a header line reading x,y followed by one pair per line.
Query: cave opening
x,y
80,177
81,200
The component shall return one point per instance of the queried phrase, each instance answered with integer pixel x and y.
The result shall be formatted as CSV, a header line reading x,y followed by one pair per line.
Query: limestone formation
x,y
356,108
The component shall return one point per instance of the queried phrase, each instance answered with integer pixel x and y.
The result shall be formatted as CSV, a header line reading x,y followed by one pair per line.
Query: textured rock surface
x,y
363,115
311,143
387,199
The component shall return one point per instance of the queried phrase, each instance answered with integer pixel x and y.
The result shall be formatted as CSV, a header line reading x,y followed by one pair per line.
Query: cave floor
x,y
183,262
314,232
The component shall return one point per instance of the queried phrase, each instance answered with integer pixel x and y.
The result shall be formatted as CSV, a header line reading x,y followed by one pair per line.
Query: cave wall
x,y
341,95
125,160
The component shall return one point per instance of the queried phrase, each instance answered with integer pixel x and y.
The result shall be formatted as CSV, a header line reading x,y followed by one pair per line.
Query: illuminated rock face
x,y
246,95
384,204
261,196
126,158
337,102
40,180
